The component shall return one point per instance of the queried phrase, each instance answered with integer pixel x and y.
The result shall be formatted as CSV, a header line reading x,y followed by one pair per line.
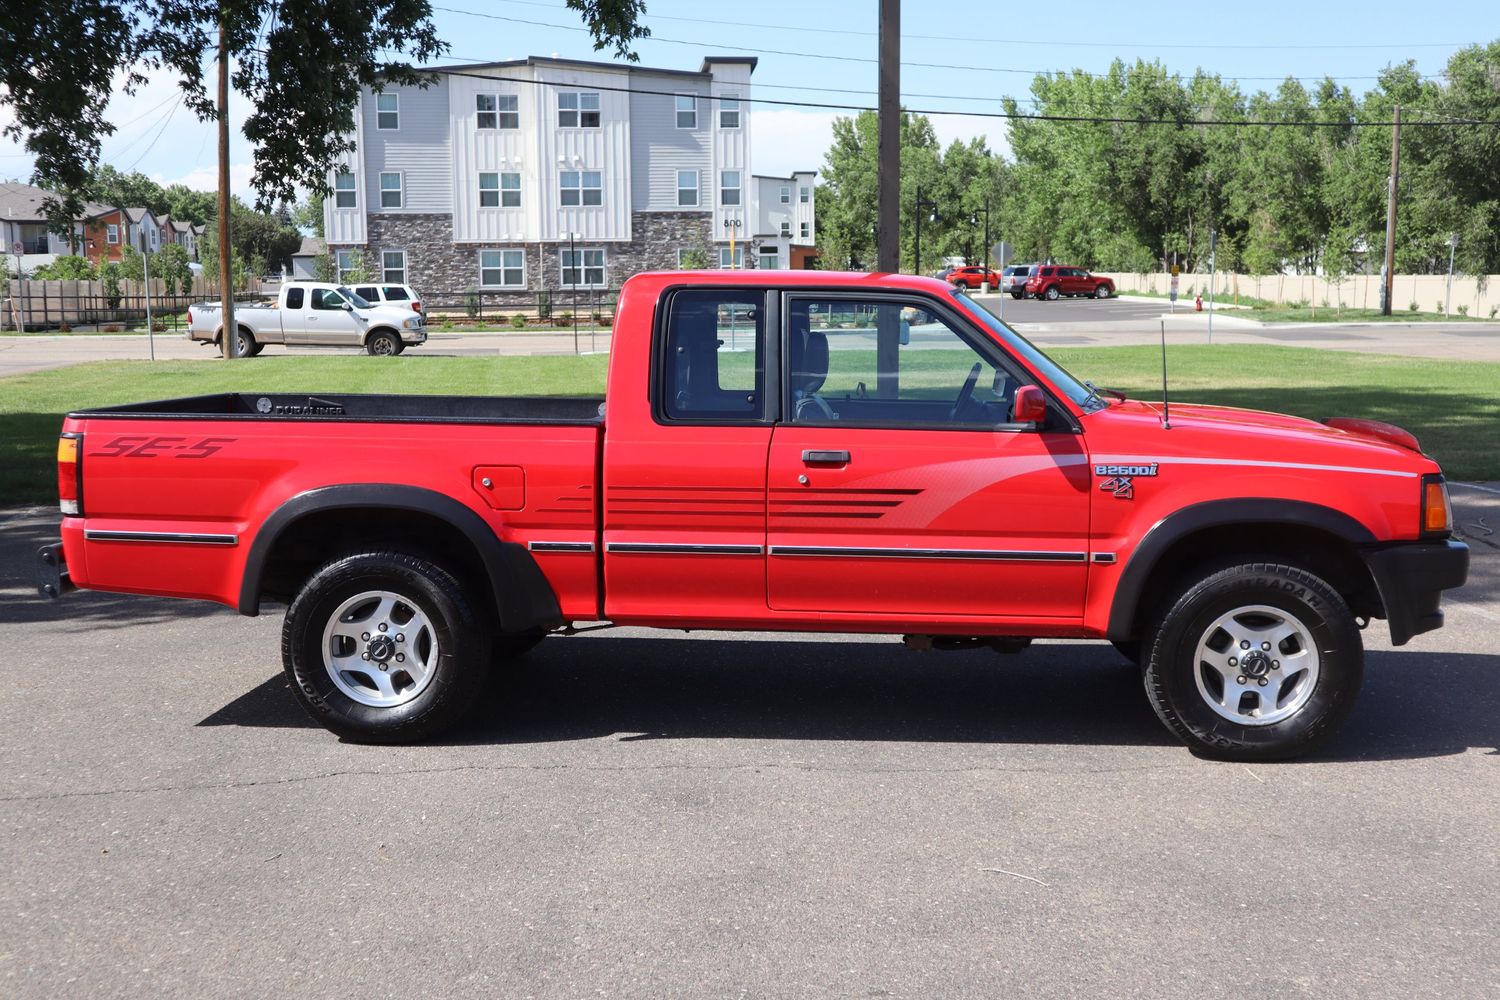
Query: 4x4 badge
x,y
1123,487
1121,481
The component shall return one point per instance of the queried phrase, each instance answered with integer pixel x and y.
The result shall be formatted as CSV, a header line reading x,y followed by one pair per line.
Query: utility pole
x,y
1390,213
888,202
231,338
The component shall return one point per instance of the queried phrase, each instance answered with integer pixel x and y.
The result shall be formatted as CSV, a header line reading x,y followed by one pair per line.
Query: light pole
x,y
1452,249
573,270
733,227
917,249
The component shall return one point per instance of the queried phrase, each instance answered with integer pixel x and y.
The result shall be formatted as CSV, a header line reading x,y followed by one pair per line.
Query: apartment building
x,y
546,173
785,220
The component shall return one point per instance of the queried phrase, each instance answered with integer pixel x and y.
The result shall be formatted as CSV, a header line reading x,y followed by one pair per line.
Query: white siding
x,y
660,149
345,226
732,152
419,150
606,149
493,150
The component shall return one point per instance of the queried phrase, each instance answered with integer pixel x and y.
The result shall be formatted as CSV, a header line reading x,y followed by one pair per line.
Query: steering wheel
x,y
965,394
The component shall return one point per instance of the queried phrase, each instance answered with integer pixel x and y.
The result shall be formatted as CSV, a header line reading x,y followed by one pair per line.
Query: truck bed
x,y
364,408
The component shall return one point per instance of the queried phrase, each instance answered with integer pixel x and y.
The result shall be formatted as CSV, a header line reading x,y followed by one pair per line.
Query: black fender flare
x,y
1214,514
524,599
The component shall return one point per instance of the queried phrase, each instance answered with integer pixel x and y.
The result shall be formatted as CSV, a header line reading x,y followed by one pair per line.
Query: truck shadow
x,y
795,689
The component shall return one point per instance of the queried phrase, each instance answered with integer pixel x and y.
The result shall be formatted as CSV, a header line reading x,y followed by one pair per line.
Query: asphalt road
x,y
635,814
1065,323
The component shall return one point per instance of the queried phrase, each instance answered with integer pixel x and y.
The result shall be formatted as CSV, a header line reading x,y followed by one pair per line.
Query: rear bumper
x,y
1411,577
52,571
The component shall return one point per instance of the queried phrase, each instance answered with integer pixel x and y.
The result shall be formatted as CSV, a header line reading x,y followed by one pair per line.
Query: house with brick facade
x,y
105,235
25,238
509,178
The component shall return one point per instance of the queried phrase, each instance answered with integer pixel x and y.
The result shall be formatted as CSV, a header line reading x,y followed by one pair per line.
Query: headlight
x,y
415,323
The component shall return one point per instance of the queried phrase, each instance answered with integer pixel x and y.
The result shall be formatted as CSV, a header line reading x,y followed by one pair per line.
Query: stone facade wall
x,y
443,272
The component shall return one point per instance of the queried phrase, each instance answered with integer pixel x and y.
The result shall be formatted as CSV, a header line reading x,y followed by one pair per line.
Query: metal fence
x,y
547,307
29,305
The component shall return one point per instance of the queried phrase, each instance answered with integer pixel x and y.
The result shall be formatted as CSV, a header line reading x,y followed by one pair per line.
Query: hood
x,y
388,313
1259,433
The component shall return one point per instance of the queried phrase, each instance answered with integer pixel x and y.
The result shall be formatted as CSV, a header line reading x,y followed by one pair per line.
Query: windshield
x,y
359,301
1053,372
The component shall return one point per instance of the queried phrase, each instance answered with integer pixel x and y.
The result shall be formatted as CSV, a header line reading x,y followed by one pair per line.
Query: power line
x,y
165,122
1004,115
802,28
825,56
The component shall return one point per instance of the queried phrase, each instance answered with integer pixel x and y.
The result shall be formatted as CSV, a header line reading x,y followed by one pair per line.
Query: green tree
x,y
67,268
197,207
133,190
307,215
300,67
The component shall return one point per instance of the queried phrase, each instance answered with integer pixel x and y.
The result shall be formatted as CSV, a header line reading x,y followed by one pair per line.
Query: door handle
x,y
811,457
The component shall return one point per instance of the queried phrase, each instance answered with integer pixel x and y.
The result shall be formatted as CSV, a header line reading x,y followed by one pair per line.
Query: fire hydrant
x,y
1198,304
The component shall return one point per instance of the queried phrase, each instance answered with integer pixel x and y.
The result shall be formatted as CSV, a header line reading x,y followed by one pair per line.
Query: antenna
x,y
1166,412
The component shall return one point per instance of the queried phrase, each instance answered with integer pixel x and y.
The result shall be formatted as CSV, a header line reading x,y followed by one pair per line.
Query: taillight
x,y
190,319
1437,512
70,473
417,306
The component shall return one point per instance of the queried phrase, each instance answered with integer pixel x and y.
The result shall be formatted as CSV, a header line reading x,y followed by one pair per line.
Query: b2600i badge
x,y
1121,478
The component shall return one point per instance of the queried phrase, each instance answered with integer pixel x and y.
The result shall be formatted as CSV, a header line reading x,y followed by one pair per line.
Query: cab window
x,y
712,356
294,298
940,379
393,293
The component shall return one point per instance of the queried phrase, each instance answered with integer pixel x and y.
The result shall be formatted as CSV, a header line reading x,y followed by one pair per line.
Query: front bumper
x,y
52,571
417,336
1411,577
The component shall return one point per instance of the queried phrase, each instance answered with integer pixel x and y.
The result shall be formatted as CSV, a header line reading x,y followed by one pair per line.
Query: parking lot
x,y
646,814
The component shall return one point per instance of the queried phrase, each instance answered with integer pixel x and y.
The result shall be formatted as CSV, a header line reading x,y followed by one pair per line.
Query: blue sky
x,y
1257,44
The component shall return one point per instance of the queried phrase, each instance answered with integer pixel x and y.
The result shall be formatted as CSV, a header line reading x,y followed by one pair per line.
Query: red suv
x,y
1052,281
974,276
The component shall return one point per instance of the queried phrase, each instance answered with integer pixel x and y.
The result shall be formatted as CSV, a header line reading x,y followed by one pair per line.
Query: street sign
x,y
1176,270
1001,252
17,248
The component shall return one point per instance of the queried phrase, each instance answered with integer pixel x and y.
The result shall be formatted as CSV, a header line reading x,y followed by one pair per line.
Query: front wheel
x,y
383,344
1256,662
384,647
1102,292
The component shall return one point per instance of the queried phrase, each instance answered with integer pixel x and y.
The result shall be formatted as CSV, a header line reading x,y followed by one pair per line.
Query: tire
x,y
428,620
248,348
1018,295
1052,293
1279,711
254,349
1102,292
383,344
400,346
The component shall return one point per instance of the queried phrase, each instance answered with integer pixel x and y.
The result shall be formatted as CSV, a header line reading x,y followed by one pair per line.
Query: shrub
x,y
69,267
1463,309
518,321
1413,307
63,327
471,301
564,318
447,324
1493,311
597,317
544,304
112,328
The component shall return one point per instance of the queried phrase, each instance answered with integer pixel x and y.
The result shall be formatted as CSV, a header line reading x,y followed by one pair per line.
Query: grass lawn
x,y
1452,406
1266,311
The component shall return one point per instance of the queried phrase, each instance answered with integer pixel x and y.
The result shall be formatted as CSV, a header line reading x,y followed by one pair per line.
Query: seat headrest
x,y
811,368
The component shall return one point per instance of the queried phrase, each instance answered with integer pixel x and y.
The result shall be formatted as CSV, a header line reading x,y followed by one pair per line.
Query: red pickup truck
x,y
780,451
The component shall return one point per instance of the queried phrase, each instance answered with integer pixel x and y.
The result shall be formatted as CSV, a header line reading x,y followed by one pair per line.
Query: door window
x,y
327,298
368,292
936,379
713,356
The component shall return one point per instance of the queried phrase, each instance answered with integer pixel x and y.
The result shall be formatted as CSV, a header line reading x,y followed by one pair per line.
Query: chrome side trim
x,y
1104,557
560,546
996,555
678,548
167,537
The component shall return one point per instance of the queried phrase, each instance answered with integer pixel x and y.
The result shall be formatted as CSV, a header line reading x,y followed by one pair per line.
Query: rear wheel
x,y
1052,293
245,345
1102,292
383,647
383,344
1255,662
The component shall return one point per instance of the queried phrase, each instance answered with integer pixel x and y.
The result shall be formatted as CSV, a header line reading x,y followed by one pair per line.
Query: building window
x,y
390,190
486,114
155,238
786,195
687,187
502,268
510,111
343,189
577,109
786,228
735,259
770,258
582,187
803,193
729,187
489,190
729,112
343,262
687,111
112,233
582,268
387,112
393,266
804,230
510,190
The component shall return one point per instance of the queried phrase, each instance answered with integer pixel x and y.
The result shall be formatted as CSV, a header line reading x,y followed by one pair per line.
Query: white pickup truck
x,y
313,314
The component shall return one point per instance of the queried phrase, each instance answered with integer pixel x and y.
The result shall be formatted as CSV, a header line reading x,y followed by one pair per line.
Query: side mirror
x,y
1030,405
348,307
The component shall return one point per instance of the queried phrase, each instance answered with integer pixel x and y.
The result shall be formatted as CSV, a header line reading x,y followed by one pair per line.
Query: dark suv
x,y
1052,281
